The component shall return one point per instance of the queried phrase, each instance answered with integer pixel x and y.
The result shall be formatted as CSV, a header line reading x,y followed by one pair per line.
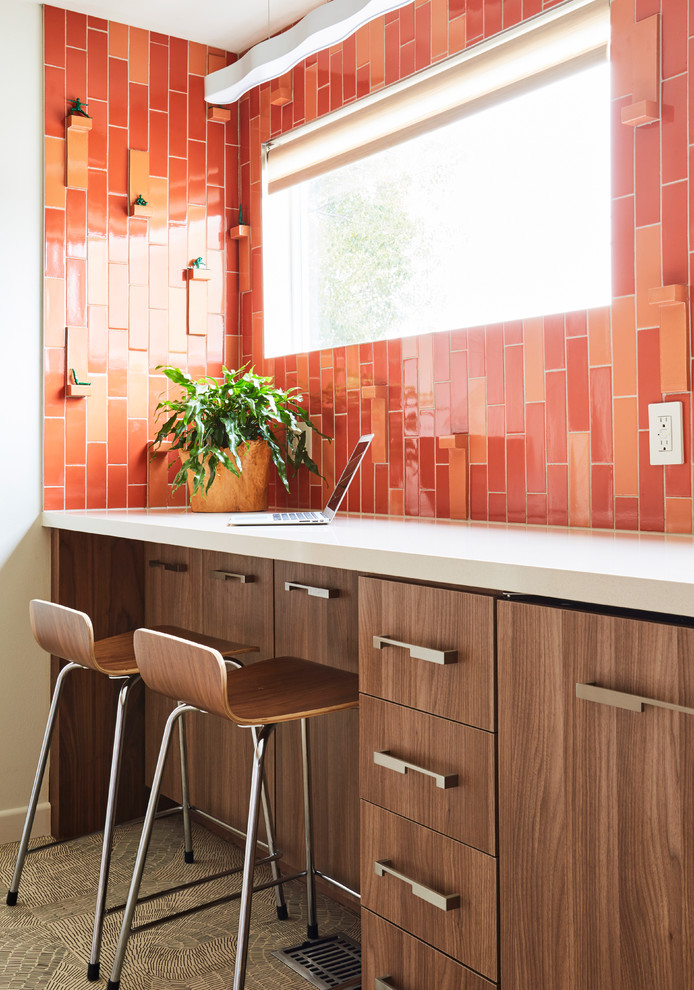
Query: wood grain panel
x,y
102,576
171,598
435,618
323,630
244,611
466,811
468,933
596,846
408,963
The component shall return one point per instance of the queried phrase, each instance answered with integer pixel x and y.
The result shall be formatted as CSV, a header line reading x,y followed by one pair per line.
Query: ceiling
x,y
233,25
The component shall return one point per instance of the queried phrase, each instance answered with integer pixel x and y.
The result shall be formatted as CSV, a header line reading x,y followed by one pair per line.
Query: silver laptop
x,y
302,517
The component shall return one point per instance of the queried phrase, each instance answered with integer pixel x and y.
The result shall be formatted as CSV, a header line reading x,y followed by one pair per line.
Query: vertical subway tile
x,y
675,256
579,479
557,495
535,447
674,129
494,361
602,496
601,414
626,472
516,489
648,345
496,449
97,66
623,246
651,489
577,384
556,417
54,35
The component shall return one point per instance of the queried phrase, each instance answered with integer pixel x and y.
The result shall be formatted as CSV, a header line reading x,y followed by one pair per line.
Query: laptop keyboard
x,y
296,516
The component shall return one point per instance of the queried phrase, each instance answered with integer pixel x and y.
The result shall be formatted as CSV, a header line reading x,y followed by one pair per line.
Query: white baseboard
x,y
12,822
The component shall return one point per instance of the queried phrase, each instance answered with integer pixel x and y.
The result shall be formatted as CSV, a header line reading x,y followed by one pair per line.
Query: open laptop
x,y
302,517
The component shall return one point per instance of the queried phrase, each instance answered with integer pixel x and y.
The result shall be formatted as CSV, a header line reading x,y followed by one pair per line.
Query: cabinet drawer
x,y
431,868
459,801
405,963
429,625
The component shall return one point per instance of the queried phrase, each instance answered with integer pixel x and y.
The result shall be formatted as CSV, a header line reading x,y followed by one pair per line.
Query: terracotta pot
x,y
246,493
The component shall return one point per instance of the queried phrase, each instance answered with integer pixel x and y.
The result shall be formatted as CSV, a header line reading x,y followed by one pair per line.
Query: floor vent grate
x,y
329,963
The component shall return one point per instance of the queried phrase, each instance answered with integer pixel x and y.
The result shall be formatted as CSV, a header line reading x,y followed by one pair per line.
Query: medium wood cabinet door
x,y
236,605
596,802
323,629
172,597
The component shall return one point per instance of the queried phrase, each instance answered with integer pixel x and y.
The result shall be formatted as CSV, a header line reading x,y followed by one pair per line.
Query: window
x,y
476,194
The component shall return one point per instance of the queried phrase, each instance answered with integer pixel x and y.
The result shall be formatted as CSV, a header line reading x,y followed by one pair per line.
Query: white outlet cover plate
x,y
674,410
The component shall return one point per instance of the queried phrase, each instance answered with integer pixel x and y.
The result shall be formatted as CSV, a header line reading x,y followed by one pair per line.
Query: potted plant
x,y
229,433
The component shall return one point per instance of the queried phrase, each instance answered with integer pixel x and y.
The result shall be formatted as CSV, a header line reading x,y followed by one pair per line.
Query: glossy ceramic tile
x,y
554,407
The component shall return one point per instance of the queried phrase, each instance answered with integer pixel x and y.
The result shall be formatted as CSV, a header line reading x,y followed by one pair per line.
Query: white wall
x,y
24,547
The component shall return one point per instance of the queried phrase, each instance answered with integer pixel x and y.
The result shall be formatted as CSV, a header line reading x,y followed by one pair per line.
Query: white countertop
x,y
634,570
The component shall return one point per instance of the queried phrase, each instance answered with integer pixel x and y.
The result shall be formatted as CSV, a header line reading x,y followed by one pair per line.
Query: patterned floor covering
x,y
45,940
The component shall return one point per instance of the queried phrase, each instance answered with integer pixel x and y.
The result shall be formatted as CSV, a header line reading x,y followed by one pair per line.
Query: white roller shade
x,y
556,41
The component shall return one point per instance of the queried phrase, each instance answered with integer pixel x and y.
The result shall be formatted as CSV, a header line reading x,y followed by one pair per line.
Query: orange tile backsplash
x,y
552,409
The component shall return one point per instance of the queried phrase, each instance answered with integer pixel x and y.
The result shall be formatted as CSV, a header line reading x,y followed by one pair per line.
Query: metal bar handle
x,y
418,652
168,566
312,591
620,699
444,902
383,758
383,983
230,576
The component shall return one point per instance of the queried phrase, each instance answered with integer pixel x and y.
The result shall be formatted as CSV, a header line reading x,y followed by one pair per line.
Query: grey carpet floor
x,y
46,938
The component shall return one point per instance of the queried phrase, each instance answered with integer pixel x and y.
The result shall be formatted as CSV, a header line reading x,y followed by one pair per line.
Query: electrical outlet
x,y
665,433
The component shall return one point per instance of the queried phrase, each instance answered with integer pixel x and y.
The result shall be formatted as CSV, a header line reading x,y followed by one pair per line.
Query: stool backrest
x,y
64,632
180,669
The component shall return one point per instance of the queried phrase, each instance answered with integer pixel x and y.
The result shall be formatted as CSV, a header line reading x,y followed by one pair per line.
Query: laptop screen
x,y
348,473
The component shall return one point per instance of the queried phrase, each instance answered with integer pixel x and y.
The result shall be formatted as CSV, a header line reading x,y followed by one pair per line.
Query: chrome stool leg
x,y
38,779
263,734
280,903
107,844
114,981
312,923
188,854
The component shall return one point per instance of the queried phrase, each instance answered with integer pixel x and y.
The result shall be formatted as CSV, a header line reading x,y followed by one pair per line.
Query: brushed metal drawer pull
x,y
418,652
313,592
230,576
444,902
620,699
168,567
383,983
382,758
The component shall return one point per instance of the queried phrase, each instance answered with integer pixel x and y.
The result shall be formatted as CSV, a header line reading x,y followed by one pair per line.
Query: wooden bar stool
x,y
283,689
69,635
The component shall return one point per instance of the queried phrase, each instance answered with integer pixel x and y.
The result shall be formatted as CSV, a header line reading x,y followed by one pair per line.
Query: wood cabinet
x,y
102,576
586,795
316,618
596,802
223,595
427,779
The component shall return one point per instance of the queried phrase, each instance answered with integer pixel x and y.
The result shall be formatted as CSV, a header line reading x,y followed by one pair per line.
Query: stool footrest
x,y
191,883
220,900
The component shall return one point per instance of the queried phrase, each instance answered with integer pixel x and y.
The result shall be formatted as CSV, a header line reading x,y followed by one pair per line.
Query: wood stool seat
x,y
286,689
115,655
282,689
